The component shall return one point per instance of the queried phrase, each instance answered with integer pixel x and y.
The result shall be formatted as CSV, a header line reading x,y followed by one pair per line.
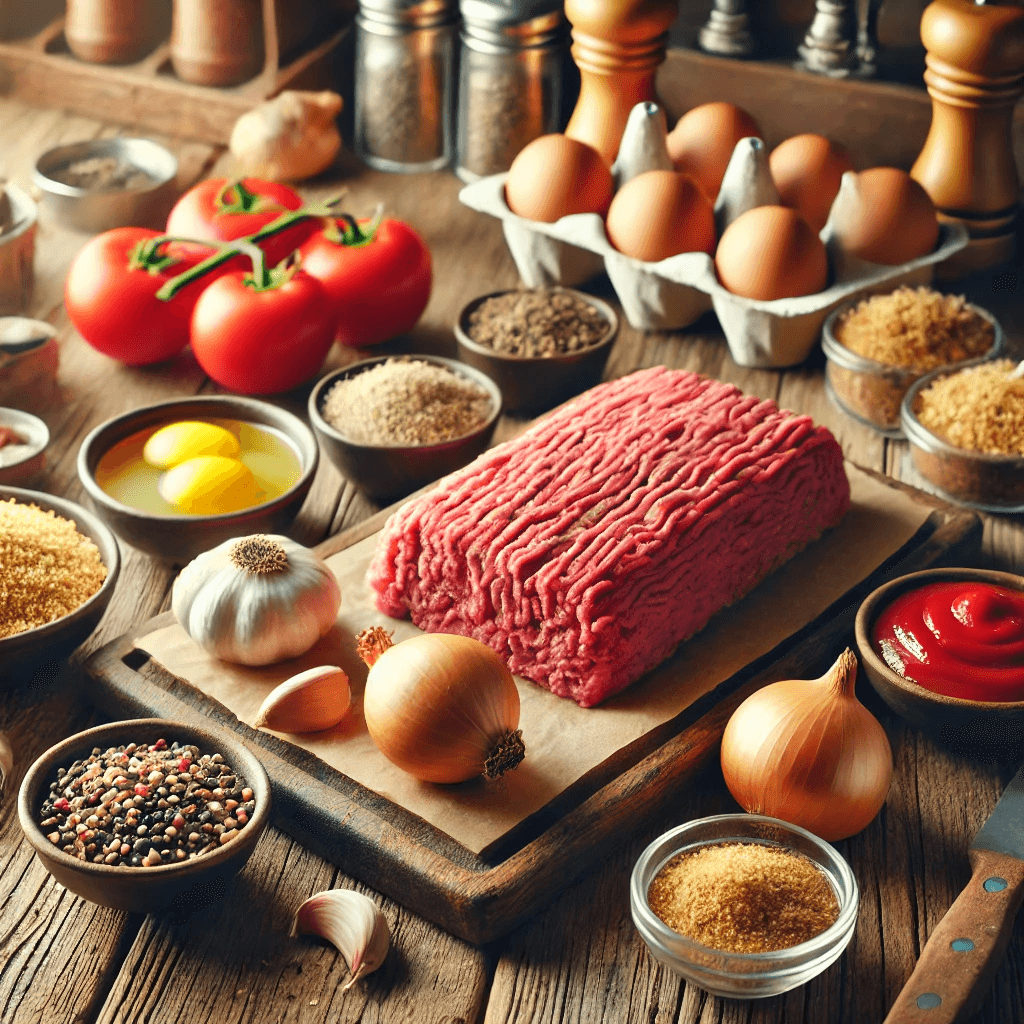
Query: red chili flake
x,y
141,789
241,817
183,764
61,805
178,822
160,745
94,798
8,436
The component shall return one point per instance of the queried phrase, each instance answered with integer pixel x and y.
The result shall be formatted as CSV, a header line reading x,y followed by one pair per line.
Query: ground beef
x,y
586,549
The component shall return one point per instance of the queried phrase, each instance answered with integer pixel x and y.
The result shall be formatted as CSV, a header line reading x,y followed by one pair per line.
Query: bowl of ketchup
x,y
944,648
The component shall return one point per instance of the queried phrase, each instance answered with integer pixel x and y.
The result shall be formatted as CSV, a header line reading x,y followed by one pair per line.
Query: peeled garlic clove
x,y
350,921
6,761
311,701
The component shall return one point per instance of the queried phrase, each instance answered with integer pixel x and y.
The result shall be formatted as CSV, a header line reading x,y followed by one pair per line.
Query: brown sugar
x,y
915,327
49,568
743,897
980,409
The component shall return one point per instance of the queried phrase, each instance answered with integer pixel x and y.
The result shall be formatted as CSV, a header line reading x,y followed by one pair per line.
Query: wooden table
x,y
580,961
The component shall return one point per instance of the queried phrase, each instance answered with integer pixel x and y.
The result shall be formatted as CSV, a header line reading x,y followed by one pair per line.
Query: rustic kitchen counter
x,y
580,960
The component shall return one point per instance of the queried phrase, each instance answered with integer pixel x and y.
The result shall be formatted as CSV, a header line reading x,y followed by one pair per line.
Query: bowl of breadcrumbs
x,y
965,426
60,566
876,347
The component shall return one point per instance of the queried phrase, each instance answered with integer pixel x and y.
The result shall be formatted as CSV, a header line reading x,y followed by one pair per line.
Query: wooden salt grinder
x,y
975,75
617,45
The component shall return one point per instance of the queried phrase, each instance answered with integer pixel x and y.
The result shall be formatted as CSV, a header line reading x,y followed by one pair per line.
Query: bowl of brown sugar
x,y
965,426
743,905
875,348
395,423
60,566
540,345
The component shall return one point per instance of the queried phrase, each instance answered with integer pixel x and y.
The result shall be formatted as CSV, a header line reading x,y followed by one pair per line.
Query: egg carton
x,y
672,293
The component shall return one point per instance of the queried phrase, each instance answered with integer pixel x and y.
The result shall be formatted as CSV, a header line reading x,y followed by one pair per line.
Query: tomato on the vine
x,y
262,337
222,209
110,294
377,274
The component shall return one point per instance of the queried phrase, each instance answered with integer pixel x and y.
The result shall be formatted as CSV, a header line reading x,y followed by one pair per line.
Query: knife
x,y
961,956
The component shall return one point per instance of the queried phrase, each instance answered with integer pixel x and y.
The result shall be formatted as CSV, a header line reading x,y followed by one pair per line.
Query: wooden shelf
x,y
43,71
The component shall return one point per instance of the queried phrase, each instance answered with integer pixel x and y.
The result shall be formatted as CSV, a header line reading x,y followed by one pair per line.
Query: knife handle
x,y
962,954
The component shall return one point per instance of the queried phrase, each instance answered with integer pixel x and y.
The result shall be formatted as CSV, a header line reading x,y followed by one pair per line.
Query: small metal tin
x,y
28,362
145,203
17,248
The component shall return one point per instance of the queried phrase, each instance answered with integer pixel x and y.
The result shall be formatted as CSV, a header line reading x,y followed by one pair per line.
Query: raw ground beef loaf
x,y
586,549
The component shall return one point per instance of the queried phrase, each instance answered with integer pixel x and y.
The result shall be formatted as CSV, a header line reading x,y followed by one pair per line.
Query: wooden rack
x,y
42,70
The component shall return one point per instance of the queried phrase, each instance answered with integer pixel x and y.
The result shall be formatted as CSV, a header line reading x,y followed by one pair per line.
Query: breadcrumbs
x,y
914,327
980,409
47,568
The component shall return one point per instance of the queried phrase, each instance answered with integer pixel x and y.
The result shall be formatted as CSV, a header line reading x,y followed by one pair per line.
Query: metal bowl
x,y
179,538
531,384
141,889
55,640
386,472
140,195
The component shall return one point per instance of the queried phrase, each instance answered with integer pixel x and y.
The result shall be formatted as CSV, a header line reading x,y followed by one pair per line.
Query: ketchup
x,y
960,639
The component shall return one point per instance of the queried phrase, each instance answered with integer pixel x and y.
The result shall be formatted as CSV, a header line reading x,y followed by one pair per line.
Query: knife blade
x,y
962,954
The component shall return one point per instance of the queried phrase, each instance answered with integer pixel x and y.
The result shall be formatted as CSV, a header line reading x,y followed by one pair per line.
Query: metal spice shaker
x,y
514,55
404,70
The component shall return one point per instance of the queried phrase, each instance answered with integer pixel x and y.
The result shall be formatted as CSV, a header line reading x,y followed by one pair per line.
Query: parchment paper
x,y
563,741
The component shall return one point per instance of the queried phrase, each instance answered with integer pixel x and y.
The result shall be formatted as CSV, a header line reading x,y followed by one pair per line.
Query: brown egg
x,y
888,218
554,176
660,214
807,170
771,252
703,139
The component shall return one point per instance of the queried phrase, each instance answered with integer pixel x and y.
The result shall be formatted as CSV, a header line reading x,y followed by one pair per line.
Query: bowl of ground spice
x,y
59,568
966,432
540,345
743,905
395,423
877,347
136,815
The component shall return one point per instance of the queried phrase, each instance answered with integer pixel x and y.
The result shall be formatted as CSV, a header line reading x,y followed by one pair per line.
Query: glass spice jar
x,y
511,73
404,70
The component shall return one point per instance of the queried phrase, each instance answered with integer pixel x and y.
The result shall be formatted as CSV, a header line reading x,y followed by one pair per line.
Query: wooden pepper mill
x,y
617,45
975,75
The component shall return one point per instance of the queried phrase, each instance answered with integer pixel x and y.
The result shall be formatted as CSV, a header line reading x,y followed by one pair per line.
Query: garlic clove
x,y
6,762
311,701
350,921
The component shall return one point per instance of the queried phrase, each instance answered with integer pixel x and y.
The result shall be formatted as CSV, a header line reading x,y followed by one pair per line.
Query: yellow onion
x,y
808,752
443,708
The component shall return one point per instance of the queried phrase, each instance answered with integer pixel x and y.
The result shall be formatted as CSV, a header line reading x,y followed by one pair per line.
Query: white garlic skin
x,y
311,701
350,921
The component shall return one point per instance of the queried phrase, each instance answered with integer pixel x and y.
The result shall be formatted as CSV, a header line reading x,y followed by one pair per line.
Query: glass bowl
x,y
872,392
989,483
743,975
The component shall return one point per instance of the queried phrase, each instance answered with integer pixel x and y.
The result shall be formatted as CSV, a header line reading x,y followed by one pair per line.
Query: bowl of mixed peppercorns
x,y
140,814
539,345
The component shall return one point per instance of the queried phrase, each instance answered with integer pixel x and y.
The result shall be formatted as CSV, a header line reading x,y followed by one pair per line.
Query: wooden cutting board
x,y
480,897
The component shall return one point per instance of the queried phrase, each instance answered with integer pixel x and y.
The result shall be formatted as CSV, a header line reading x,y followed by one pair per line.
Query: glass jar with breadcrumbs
x,y
965,426
877,346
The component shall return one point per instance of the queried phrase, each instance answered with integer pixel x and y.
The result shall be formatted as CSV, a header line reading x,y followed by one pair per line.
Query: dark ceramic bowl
x,y
533,384
966,726
179,538
57,639
141,890
386,473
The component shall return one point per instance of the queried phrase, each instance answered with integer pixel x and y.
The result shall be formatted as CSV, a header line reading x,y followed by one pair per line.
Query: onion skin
x,y
443,708
808,752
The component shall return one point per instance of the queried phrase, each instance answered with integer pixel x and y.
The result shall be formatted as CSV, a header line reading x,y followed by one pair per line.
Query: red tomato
x,y
110,295
262,341
222,210
379,283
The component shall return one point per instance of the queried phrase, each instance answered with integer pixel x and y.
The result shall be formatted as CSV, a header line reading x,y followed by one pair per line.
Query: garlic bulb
x,y
308,702
808,752
256,600
290,137
352,922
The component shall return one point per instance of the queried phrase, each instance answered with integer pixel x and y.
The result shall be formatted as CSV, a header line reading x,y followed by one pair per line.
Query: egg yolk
x,y
188,439
209,485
